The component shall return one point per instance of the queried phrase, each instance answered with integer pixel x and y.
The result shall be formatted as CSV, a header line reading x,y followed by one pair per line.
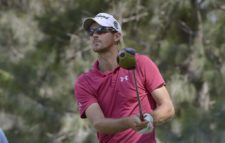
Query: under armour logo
x,y
102,16
123,78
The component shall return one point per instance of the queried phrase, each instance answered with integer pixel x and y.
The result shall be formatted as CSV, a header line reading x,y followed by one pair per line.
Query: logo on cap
x,y
102,16
115,24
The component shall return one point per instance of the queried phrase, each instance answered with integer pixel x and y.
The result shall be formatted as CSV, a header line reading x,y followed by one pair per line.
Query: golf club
x,y
126,60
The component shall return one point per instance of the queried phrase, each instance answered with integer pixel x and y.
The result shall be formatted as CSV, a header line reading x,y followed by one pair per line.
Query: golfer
x,y
107,96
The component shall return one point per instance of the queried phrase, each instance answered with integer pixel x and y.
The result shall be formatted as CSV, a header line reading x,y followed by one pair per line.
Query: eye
x,y
91,31
101,29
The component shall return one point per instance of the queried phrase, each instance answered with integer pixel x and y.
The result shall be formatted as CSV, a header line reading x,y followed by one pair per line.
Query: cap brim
x,y
87,23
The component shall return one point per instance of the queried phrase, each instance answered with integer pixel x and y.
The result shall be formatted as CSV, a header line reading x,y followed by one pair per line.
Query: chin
x,y
96,49
99,50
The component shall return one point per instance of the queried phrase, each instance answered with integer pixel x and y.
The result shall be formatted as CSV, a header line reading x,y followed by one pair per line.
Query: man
x,y
106,95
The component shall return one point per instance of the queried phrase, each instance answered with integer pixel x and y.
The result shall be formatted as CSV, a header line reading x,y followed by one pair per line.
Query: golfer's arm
x,y
165,109
105,125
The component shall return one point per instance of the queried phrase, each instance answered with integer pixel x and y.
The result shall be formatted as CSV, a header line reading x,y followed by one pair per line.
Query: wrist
x,y
127,122
153,119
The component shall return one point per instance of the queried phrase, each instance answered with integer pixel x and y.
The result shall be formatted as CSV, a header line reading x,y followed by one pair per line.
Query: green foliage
x,y
43,49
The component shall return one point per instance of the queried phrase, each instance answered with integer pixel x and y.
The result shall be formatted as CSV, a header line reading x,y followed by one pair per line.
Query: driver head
x,y
126,58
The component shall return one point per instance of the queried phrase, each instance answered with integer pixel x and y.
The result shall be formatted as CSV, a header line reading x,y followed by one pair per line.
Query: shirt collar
x,y
95,68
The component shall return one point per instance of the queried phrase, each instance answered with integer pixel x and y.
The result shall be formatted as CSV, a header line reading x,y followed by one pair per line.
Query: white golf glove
x,y
150,126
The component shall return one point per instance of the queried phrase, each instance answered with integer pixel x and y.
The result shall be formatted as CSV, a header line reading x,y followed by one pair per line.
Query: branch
x,y
166,22
135,17
71,58
185,27
222,7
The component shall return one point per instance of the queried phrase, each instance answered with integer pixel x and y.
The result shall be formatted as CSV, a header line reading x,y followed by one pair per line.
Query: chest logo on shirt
x,y
123,78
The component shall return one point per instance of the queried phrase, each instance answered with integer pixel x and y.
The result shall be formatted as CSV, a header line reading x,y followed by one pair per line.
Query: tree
x,y
43,49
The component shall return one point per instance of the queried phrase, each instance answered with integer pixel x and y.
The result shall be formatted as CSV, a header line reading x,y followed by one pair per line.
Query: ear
x,y
117,37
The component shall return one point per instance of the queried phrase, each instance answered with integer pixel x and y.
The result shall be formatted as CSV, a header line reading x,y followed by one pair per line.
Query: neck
x,y
107,60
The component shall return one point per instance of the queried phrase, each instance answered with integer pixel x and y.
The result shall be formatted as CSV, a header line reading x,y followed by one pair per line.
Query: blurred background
x,y
43,49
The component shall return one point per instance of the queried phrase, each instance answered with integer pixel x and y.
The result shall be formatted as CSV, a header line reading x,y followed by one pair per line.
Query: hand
x,y
135,123
148,118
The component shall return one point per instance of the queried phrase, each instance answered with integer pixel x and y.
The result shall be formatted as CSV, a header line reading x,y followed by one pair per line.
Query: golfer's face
x,y
101,38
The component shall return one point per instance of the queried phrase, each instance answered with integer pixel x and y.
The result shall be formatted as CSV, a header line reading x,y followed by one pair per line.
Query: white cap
x,y
103,19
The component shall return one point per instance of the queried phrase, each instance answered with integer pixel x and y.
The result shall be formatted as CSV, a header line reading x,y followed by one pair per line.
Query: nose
x,y
95,34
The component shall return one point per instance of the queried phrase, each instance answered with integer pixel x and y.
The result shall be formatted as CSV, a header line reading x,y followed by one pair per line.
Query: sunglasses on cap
x,y
100,30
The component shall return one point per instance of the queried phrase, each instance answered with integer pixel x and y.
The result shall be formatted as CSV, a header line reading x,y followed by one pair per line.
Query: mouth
x,y
96,42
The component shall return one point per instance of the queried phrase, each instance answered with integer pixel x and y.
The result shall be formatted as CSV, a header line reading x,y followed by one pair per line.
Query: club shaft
x,y
138,97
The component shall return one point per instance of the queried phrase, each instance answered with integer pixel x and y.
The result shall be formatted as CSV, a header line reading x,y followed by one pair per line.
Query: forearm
x,y
162,113
110,126
164,106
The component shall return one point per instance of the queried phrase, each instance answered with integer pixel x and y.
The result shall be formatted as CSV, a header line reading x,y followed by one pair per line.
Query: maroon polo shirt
x,y
115,92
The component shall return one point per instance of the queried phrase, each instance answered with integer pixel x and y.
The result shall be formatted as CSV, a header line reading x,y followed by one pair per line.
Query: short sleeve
x,y
152,75
84,96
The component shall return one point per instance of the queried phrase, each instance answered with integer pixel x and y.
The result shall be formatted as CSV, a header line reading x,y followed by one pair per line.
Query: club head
x,y
126,58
